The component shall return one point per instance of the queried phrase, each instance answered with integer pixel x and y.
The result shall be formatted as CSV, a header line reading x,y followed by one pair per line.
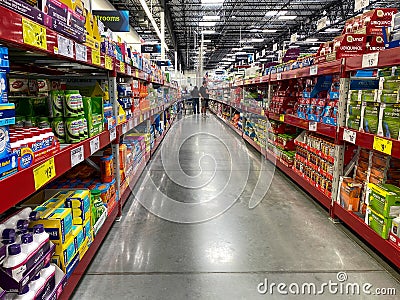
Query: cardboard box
x,y
378,223
79,235
66,250
384,199
350,192
66,268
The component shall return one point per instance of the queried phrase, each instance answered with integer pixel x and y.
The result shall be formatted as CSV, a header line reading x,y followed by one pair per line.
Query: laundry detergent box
x,y
384,199
57,223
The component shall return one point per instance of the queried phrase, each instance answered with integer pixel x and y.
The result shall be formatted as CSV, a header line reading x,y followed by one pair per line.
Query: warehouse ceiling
x,y
246,26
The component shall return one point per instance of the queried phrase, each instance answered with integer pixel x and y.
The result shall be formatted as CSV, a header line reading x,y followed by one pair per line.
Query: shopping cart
x,y
188,106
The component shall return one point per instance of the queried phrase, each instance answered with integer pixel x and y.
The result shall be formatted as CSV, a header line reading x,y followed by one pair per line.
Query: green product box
x,y
384,199
368,95
371,117
387,96
32,107
390,125
379,223
389,83
354,114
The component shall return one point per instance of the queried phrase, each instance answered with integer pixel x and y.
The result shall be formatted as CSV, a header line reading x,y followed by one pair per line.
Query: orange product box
x,y
350,191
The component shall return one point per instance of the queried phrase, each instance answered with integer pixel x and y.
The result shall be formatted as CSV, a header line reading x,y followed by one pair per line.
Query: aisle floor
x,y
231,250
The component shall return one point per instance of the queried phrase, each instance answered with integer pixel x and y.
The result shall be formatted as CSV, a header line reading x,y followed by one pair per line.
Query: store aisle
x,y
287,238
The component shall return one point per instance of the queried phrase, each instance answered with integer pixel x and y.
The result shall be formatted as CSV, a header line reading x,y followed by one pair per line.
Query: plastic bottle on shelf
x,y
7,236
25,294
39,235
14,258
28,246
48,271
37,284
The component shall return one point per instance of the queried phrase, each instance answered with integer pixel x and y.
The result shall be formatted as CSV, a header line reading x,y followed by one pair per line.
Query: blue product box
x,y
330,113
5,149
7,114
8,165
4,62
3,87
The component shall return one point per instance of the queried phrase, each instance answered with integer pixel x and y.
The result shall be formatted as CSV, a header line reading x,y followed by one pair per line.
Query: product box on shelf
x,y
384,199
69,268
92,38
378,223
78,234
350,193
66,250
371,22
348,45
26,10
3,87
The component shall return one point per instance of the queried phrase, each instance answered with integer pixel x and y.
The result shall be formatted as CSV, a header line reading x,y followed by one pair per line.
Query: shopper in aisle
x,y
204,98
195,94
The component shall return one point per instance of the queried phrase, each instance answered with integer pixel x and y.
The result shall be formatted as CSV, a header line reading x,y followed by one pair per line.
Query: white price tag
x,y
312,126
279,76
370,60
81,52
65,46
94,145
128,70
113,134
313,70
135,122
130,124
124,128
349,136
77,156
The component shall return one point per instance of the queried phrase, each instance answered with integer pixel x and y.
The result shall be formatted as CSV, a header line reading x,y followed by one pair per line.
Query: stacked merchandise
x,y
133,153
8,155
125,100
319,100
100,181
284,98
236,119
254,98
393,32
25,253
361,34
314,160
376,110
256,129
236,95
281,142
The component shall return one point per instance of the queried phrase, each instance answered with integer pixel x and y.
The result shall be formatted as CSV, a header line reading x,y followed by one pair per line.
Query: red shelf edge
x,y
386,248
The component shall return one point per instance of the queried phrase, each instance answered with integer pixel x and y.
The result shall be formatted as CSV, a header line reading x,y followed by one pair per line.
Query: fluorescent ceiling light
x,y
282,12
269,30
207,41
208,32
311,40
255,40
240,52
271,13
206,24
233,17
269,56
314,48
237,49
287,17
211,18
212,2
332,30
255,30
248,47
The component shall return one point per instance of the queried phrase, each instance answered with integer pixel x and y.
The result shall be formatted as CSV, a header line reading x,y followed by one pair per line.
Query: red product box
x,y
375,43
371,22
350,44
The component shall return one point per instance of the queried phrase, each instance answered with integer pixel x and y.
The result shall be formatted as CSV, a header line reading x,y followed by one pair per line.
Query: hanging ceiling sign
x,y
115,20
275,47
242,57
163,63
360,4
293,38
321,23
154,48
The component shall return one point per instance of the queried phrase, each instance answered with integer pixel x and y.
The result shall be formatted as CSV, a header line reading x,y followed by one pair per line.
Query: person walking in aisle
x,y
204,98
195,94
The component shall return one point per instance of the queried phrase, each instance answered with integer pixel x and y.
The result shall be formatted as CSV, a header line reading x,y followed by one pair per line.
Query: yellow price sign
x,y
34,34
141,118
137,73
282,118
96,57
382,145
44,173
108,62
122,67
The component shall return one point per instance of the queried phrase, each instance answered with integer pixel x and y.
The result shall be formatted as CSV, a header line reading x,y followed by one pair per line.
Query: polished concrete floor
x,y
195,231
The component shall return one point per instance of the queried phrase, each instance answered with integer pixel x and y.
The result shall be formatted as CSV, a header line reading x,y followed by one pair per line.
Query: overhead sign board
x,y
115,20
154,48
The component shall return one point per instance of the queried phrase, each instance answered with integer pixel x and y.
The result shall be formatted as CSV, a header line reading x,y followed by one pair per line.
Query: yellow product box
x,y
57,222
84,248
88,230
66,268
56,196
67,250
79,218
78,234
